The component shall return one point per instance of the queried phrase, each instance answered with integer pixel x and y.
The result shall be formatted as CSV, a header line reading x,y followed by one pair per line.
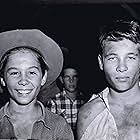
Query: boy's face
x,y
70,79
23,77
121,63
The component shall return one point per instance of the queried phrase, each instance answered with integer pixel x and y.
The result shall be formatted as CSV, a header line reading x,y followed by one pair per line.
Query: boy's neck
x,y
71,95
127,97
15,110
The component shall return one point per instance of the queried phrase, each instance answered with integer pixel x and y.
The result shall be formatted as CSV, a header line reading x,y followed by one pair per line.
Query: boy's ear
x,y
2,82
100,61
61,79
44,79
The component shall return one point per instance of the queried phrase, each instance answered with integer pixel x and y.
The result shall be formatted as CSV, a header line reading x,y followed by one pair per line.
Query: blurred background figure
x,y
70,99
47,92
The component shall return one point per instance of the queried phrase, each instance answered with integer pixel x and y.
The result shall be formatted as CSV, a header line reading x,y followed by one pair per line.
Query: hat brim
x,y
36,39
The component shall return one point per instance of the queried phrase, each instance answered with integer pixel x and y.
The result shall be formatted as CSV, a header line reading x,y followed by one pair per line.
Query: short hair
x,y
118,30
37,53
68,67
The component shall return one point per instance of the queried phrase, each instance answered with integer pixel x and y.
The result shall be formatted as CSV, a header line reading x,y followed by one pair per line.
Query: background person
x,y
48,92
70,99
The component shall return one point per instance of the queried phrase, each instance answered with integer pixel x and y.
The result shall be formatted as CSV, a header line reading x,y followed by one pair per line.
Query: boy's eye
x,y
32,73
112,58
132,57
66,77
14,73
75,77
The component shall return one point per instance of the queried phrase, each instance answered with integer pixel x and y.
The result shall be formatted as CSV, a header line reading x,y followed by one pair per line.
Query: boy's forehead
x,y
70,71
22,57
125,44
23,52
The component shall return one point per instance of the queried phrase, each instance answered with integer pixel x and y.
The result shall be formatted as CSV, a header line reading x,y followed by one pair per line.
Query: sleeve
x,y
64,131
97,129
100,128
92,120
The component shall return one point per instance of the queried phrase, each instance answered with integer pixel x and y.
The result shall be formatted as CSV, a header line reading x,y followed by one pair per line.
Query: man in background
x,y
70,99
47,92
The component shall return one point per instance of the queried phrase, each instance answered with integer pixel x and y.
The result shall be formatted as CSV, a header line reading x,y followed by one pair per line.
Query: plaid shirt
x,y
61,104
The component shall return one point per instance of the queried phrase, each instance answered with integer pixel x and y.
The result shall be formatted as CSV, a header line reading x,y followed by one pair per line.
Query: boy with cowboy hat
x,y
29,59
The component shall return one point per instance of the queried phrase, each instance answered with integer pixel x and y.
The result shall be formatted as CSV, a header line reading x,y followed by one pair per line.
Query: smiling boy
x,y
29,59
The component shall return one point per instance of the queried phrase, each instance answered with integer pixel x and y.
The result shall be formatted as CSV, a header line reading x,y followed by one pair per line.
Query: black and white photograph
x,y
70,69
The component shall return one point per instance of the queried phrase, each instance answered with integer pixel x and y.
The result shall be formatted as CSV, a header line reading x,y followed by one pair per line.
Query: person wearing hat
x,y
29,60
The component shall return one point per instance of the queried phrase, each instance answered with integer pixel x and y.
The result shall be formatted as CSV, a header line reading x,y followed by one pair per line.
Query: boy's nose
x,y
23,81
122,67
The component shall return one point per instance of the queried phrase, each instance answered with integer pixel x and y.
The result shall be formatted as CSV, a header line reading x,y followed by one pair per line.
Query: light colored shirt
x,y
103,126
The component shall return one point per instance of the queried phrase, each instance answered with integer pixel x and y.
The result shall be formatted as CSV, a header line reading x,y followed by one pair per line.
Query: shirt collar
x,y
42,118
103,94
3,111
65,94
79,94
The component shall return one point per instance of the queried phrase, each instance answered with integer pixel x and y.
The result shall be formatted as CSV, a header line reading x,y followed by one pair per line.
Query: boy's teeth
x,y
24,91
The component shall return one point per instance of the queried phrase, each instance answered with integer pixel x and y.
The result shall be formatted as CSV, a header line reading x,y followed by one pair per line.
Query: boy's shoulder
x,y
88,113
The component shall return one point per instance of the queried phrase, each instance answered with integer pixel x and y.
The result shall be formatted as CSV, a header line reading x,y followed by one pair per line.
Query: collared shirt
x,y
103,126
61,104
48,127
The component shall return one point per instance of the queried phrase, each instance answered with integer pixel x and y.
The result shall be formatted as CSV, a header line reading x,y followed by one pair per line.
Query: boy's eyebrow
x,y
109,54
136,54
11,68
106,55
34,67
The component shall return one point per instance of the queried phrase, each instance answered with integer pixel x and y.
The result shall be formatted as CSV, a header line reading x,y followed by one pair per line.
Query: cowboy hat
x,y
38,40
